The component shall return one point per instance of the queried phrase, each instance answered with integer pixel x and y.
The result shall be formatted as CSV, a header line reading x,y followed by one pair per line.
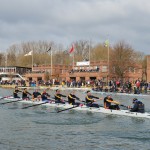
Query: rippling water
x,y
41,128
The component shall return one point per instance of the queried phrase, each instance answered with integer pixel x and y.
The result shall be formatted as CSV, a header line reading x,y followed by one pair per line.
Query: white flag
x,y
28,54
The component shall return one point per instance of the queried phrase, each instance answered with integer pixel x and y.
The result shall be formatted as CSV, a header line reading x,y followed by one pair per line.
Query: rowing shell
x,y
85,108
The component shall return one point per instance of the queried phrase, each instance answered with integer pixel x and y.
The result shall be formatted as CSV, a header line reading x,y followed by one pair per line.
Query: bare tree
x,y
12,55
2,59
99,52
121,58
141,59
144,69
81,50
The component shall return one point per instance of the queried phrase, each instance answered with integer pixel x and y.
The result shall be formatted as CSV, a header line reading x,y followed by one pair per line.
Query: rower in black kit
x,y
90,100
15,92
25,94
58,97
72,97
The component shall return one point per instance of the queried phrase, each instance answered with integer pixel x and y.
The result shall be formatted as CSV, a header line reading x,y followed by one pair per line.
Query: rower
x,y
138,106
58,96
72,97
107,103
45,96
90,101
25,94
15,92
36,95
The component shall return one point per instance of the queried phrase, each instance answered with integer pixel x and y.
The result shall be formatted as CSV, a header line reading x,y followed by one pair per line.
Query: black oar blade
x,y
35,105
67,109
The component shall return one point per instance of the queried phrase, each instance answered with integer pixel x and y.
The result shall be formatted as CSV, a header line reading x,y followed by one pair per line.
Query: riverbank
x,y
60,87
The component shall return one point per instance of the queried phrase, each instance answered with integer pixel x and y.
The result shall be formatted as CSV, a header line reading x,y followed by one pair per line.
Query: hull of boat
x,y
85,108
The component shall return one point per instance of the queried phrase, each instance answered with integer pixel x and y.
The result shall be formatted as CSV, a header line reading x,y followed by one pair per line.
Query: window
x,y
104,69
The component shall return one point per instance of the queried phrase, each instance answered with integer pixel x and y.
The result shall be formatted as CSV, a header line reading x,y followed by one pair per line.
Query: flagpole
x,y
72,51
32,60
89,53
51,64
108,62
73,62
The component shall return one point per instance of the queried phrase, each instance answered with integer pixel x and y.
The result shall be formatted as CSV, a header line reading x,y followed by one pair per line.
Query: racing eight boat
x,y
82,107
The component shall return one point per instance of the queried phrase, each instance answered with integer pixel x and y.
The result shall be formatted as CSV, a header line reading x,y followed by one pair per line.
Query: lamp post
x,y
5,62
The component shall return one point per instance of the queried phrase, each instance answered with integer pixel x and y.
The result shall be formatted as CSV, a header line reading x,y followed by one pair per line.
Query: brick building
x,y
148,68
80,71
46,72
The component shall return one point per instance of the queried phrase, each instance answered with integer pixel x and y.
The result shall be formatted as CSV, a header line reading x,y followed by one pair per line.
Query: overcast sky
x,y
65,21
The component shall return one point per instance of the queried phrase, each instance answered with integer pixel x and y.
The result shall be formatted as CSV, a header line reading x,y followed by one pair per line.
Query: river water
x,y
41,128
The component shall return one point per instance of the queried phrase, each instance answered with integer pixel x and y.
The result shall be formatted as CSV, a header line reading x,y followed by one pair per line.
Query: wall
x,y
148,68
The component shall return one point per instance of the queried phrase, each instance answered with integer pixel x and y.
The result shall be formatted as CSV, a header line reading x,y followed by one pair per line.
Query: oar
x,y
67,108
5,97
13,101
74,106
117,103
91,104
35,105
123,106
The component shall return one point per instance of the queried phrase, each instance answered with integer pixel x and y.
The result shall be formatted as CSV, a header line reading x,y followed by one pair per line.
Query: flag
x,y
28,54
106,44
71,49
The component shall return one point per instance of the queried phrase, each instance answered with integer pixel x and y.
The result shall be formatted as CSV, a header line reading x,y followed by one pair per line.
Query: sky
x,y
66,21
